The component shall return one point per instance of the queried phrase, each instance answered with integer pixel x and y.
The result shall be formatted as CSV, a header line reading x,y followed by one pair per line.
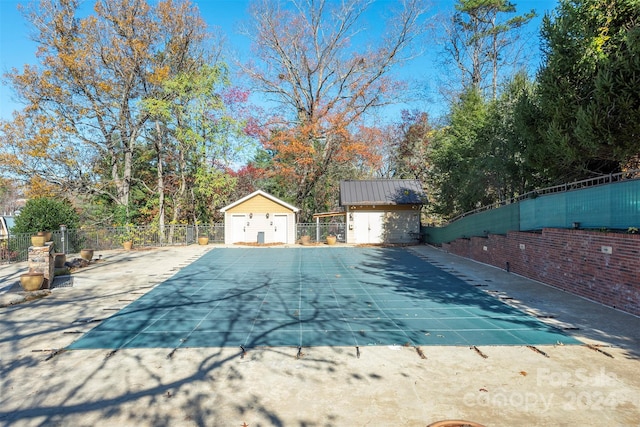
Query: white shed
x,y
259,218
382,210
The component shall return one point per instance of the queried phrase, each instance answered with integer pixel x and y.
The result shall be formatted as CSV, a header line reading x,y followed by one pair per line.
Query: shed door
x,y
280,228
238,224
368,227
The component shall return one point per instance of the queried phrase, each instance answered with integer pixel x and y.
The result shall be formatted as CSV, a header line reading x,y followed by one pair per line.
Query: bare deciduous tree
x,y
326,69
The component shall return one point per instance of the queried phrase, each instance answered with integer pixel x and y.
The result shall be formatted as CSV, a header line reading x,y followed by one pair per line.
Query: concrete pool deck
x,y
322,386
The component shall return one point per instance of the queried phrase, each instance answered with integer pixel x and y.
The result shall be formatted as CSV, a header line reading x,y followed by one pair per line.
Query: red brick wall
x,y
573,260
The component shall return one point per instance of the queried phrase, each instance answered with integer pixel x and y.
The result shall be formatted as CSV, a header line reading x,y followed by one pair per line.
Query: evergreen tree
x,y
457,179
587,110
483,41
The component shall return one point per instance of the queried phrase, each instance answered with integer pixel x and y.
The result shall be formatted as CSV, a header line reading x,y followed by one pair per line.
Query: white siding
x,y
239,227
260,213
378,226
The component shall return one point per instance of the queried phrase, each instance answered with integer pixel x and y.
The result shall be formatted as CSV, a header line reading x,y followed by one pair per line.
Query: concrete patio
x,y
42,384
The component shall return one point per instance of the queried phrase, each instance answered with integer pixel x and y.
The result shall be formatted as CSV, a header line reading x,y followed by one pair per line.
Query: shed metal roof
x,y
382,192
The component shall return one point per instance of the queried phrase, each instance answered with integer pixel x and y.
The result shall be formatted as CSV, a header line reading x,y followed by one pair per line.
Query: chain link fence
x,y
318,232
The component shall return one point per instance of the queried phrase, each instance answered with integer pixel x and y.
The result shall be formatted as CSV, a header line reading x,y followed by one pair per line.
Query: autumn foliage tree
x,y
83,120
200,126
307,61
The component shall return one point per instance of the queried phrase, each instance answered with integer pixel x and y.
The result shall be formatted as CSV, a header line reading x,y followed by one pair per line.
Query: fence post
x,y
63,231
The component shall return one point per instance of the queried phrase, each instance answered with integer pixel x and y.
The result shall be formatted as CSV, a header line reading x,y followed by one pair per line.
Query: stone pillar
x,y
41,261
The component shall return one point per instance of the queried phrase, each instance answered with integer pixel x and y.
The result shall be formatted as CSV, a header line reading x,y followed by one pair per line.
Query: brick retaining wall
x,y
604,267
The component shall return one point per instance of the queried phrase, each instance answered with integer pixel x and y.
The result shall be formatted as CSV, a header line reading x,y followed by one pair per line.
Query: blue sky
x,y
16,48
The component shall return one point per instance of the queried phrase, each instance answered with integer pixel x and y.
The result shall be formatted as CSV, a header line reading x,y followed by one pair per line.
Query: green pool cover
x,y
337,296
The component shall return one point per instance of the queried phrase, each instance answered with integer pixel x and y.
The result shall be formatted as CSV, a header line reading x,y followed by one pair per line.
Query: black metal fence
x,y
16,247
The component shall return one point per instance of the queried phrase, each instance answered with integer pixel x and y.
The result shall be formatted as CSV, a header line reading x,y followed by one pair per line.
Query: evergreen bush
x,y
45,214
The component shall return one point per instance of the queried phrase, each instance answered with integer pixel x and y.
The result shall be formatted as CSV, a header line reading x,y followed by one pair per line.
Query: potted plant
x,y
86,254
38,239
305,240
203,240
331,239
31,281
126,238
59,259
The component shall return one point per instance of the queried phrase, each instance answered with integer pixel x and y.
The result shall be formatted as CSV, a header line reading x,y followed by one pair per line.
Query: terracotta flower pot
x,y
331,240
305,240
86,254
203,240
127,245
31,281
59,260
47,236
38,239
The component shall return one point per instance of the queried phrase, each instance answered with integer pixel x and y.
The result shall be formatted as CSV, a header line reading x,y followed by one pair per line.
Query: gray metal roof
x,y
382,192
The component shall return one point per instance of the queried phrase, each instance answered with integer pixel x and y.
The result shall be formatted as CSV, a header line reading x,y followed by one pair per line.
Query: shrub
x,y
45,214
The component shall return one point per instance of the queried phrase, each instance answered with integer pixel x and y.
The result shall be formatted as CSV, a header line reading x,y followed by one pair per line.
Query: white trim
x,y
261,193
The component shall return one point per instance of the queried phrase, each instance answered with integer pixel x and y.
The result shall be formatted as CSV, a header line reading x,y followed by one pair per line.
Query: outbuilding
x,y
6,222
259,218
382,210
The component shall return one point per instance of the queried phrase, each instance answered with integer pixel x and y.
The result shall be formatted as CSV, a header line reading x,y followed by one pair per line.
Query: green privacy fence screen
x,y
496,221
612,206
609,206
